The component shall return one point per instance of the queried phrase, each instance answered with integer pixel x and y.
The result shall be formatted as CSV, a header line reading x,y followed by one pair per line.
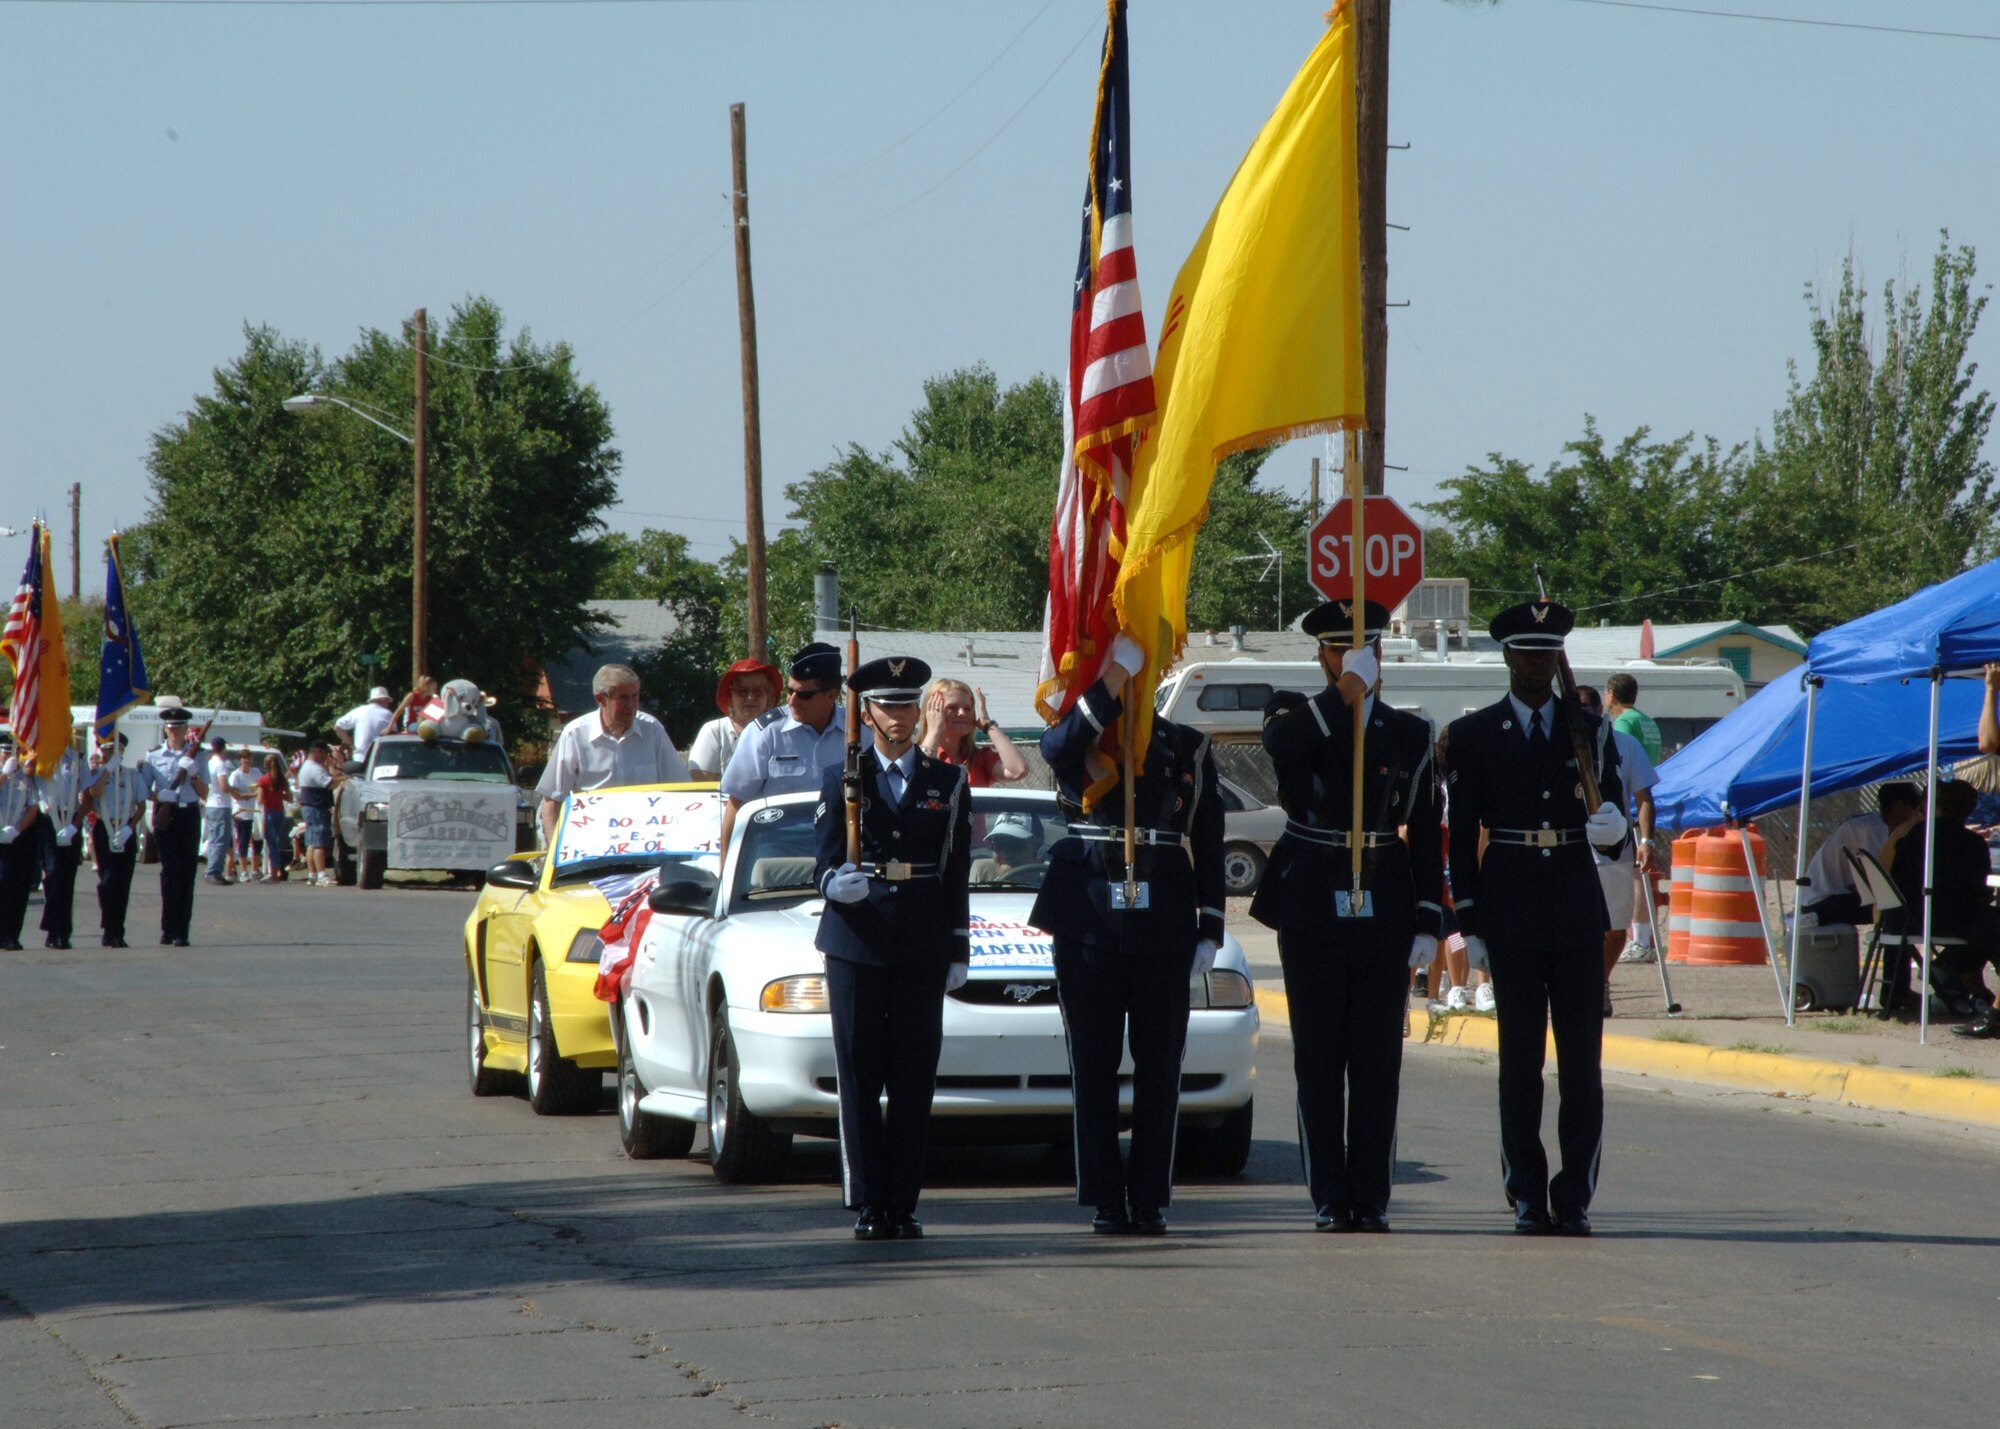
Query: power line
x,y
1785,19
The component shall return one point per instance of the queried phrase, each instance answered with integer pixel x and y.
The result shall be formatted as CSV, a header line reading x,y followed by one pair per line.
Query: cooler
x,y
1829,968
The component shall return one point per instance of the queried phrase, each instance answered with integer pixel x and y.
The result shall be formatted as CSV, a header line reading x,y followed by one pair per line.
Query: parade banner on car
x,y
1010,945
624,823
451,826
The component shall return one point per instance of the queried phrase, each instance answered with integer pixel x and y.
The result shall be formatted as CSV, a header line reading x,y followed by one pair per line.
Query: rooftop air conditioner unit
x,y
1446,599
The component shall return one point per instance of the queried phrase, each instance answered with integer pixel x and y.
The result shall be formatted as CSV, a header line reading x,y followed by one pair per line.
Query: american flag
x,y
631,910
21,643
1108,400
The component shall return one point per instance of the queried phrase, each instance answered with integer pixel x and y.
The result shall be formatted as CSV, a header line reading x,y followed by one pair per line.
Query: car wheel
x,y
1220,1150
343,861
374,863
1242,867
556,1086
485,1081
741,1148
644,1137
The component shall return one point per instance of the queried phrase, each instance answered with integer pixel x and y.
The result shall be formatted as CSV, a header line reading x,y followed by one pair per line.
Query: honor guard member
x,y
1124,957
788,749
118,798
895,938
177,784
1531,908
1346,966
20,845
61,797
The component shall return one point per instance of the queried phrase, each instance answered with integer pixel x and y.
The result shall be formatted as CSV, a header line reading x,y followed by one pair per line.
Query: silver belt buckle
x,y
1545,838
896,871
1143,898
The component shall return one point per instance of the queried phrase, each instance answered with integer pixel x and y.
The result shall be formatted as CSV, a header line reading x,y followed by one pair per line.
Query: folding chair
x,y
1893,915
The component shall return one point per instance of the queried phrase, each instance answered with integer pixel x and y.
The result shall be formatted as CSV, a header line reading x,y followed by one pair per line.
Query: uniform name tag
x,y
783,766
1345,905
1143,897
895,870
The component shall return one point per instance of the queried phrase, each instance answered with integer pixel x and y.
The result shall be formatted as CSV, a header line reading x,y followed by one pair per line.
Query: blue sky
x,y
1613,209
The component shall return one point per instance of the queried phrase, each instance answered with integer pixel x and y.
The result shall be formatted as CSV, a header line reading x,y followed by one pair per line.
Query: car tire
x,y
485,1081
374,863
1220,1150
343,861
556,1085
644,1137
742,1150
1242,868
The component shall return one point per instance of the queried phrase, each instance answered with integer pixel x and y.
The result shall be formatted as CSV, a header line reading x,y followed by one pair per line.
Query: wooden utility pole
x,y
420,520
75,539
753,441
1371,76
1315,492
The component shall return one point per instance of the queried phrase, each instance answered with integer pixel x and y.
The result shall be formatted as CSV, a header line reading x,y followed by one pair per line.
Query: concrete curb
x,y
1796,1078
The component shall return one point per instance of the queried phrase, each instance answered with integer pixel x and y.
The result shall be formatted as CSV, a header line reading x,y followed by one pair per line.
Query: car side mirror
x,y
354,767
515,873
692,897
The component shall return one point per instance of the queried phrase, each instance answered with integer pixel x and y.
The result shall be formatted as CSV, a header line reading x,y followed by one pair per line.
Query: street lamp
x,y
420,516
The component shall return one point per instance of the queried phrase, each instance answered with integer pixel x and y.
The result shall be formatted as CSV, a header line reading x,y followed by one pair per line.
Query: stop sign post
x,y
1394,549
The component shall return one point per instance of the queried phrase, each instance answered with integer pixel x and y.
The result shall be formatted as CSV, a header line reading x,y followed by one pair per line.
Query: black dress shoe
x,y
905,1226
12,945
1148,1222
1572,1221
1337,1219
180,942
1370,1221
874,1225
1530,1219
1110,1220
55,941
116,943
166,940
1987,1024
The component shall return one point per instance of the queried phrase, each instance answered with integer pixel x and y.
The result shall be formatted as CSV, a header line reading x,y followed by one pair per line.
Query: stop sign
x,y
1395,552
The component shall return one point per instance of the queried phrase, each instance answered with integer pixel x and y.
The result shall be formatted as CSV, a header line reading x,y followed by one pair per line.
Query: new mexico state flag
x,y
1262,341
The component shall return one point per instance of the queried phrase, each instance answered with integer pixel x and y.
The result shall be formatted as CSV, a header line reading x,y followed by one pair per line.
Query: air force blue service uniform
x,y
119,793
1535,902
1347,977
1123,972
778,754
888,955
61,797
21,855
176,829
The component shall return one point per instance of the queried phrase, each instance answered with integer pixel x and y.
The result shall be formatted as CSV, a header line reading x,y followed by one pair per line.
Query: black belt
x,y
1338,838
1536,838
1094,833
896,871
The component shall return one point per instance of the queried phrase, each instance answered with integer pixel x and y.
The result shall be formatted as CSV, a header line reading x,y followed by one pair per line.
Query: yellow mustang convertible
x,y
532,947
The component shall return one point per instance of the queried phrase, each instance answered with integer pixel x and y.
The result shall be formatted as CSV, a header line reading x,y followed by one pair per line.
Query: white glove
x,y
119,836
1204,957
66,835
185,765
11,767
1475,954
850,885
1606,826
1362,665
1423,950
1127,656
955,977
8,833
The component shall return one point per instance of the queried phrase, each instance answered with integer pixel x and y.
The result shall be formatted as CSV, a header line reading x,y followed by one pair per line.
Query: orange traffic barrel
x,y
1725,920
1680,896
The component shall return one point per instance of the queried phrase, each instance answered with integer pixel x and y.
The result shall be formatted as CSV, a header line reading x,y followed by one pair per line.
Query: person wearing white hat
x,y
365,722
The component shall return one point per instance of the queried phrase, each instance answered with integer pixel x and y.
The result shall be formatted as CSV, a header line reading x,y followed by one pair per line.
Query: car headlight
x,y
377,810
1222,988
805,993
585,947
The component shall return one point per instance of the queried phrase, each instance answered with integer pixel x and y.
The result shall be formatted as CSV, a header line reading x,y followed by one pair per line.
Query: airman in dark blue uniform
x,y
1123,971
1532,910
1347,967
895,938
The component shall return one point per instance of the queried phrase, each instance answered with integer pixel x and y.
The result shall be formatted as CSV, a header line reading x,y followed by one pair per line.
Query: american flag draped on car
x,y
32,643
631,911
1108,401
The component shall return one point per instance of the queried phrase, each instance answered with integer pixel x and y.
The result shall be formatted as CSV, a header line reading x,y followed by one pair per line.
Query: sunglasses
x,y
793,692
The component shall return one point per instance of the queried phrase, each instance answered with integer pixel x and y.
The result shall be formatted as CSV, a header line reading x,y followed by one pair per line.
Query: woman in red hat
x,y
748,688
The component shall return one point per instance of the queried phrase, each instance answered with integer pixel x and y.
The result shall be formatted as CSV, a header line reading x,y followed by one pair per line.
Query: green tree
x,y
278,545
1230,579
83,641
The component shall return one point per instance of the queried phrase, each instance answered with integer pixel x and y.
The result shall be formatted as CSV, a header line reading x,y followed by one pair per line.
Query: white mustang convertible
x,y
725,1020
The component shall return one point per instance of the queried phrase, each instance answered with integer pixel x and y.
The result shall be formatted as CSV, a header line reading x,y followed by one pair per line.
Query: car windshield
x,y
446,759
1011,835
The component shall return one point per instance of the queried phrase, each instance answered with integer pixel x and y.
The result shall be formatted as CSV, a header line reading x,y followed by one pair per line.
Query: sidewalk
x,y
1731,1032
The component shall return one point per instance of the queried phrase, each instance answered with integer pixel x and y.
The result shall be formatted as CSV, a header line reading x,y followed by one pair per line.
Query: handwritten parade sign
x,y
623,823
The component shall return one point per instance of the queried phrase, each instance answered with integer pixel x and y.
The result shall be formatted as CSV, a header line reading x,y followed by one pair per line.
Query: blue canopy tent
x,y
1954,625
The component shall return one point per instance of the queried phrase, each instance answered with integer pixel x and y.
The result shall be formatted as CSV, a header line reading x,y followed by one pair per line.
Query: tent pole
x,y
1930,860
1791,994
1763,914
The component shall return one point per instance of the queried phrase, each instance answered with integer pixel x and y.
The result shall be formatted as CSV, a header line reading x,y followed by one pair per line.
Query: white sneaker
x,y
1637,953
1482,997
1454,1000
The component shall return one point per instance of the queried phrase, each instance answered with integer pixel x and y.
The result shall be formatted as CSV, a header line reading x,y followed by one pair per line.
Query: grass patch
x,y
1842,1024
1869,1059
1677,1034
1950,1071
1776,1049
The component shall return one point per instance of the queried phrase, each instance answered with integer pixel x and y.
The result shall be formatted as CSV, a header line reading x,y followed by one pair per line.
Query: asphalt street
x,y
245,1184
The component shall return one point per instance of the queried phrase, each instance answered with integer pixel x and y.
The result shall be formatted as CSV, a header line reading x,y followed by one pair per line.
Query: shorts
x,y
1620,891
319,827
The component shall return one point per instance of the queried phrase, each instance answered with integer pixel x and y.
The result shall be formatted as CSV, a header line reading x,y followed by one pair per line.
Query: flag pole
x,y
1131,816
1357,562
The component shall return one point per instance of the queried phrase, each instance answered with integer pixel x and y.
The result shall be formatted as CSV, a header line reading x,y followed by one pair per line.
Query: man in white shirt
x,y
619,744
1829,894
364,723
218,812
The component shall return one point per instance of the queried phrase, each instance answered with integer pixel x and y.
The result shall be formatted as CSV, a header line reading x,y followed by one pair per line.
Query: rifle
x,y
1566,707
194,740
850,777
